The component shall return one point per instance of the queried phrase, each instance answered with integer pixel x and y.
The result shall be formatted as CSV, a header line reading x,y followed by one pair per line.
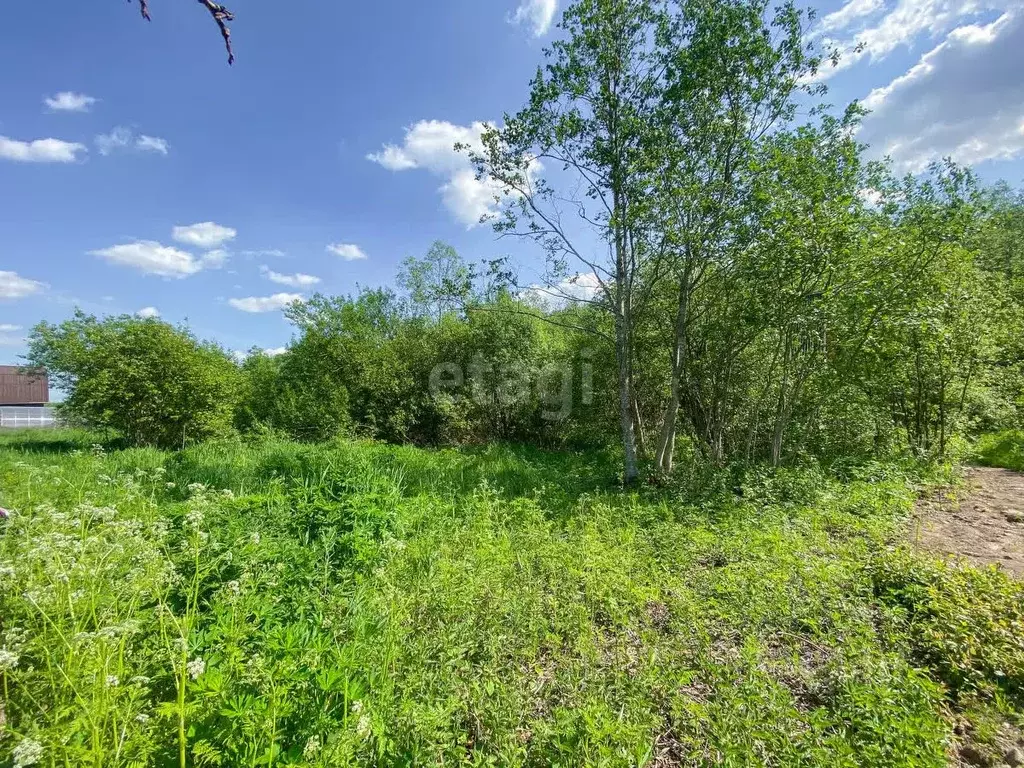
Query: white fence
x,y
18,416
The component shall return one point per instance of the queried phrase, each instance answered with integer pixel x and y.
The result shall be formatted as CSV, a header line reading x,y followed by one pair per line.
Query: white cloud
x,y
849,13
152,258
538,14
964,98
9,328
214,259
68,101
152,144
269,253
274,351
14,286
205,234
430,145
872,197
265,303
582,286
125,139
147,312
40,150
901,26
347,251
298,280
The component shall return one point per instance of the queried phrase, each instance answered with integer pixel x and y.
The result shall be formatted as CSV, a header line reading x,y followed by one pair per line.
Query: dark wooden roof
x,y
23,386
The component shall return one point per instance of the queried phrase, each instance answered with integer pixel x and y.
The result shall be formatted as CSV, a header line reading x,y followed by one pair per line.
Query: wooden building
x,y
23,386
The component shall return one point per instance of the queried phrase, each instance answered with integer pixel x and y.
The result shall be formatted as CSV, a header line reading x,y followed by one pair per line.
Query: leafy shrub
x,y
966,625
1003,449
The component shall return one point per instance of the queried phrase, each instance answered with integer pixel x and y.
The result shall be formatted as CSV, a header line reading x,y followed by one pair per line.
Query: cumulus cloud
x,y
964,98
152,258
899,27
347,251
152,144
298,280
40,150
205,234
274,351
214,259
430,145
14,286
265,303
582,286
123,139
69,101
536,14
9,328
147,312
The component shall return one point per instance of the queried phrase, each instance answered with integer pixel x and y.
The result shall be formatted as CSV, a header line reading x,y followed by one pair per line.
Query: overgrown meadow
x,y
355,603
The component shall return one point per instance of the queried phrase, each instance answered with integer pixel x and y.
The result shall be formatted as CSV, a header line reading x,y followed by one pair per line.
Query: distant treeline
x,y
720,277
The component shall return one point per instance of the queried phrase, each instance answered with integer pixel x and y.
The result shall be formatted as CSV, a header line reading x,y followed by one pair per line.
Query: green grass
x,y
1003,449
360,604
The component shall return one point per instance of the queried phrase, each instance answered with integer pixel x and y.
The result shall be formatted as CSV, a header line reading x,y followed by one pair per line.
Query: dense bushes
x,y
964,624
151,382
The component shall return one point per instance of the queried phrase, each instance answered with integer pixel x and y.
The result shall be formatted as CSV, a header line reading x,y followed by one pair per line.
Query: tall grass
x,y
277,604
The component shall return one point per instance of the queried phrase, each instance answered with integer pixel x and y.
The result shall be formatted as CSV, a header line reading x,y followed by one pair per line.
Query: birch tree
x,y
588,128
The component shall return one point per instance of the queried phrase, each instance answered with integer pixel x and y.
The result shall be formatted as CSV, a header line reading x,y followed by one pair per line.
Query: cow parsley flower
x,y
312,748
8,660
196,667
363,726
28,752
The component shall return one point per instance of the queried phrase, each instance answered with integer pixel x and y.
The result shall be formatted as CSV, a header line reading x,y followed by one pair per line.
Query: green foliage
x,y
358,603
1004,449
152,382
964,624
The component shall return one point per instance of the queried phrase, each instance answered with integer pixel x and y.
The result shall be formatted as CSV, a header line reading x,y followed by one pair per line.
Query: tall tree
x,y
589,115
732,71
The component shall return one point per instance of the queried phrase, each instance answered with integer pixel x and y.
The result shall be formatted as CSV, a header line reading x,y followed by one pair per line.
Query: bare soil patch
x,y
982,522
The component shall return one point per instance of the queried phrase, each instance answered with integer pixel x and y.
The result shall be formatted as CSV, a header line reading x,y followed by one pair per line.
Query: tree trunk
x,y
630,472
667,441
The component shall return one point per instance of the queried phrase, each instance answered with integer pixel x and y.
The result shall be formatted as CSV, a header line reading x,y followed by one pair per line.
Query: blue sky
x,y
139,172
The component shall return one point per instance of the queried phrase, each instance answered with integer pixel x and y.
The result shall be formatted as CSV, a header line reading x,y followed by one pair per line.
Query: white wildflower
x,y
227,493
196,667
363,726
28,752
255,538
8,659
142,717
233,587
194,519
357,707
312,748
113,681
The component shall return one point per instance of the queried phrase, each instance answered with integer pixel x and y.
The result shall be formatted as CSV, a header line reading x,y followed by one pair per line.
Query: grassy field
x,y
361,604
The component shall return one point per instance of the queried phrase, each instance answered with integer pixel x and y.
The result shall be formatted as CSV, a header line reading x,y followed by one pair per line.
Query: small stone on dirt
x,y
1014,757
1013,516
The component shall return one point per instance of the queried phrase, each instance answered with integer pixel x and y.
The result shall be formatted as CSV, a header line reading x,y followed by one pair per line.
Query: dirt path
x,y
984,524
